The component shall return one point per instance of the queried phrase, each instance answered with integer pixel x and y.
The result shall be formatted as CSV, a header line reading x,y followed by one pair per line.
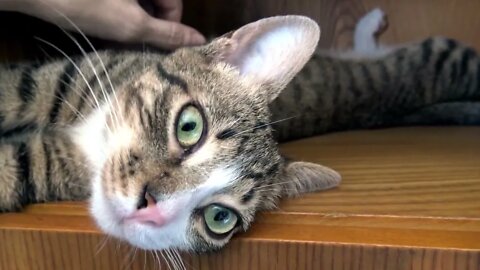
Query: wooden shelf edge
x,y
398,231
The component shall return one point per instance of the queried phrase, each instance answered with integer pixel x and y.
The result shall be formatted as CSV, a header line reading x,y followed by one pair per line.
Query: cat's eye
x,y
189,126
219,220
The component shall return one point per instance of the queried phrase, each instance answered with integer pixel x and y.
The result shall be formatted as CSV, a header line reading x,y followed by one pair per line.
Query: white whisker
x,y
79,72
165,259
264,125
94,70
102,244
83,51
180,259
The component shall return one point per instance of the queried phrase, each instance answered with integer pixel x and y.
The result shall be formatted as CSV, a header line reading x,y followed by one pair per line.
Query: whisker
x,y
271,185
155,259
174,259
101,244
83,51
98,57
94,70
77,112
165,259
78,70
144,260
263,125
133,257
180,259
75,88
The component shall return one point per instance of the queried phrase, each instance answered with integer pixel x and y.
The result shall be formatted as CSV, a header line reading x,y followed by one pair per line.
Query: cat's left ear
x,y
301,177
269,52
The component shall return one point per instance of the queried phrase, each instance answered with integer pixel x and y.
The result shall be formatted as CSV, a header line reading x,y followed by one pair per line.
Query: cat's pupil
x,y
221,216
189,126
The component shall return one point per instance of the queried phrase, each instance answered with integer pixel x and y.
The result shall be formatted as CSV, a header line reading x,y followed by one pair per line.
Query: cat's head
x,y
188,157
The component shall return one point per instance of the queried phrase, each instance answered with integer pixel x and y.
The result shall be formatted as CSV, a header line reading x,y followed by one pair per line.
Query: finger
x,y
171,35
170,10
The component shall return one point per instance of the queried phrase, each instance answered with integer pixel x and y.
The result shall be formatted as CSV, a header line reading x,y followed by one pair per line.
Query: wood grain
x,y
410,199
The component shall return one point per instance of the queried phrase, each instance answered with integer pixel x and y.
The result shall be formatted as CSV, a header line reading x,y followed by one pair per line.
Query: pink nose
x,y
151,214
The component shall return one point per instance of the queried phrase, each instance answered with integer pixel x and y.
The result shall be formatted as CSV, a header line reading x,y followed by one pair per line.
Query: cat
x,y
178,151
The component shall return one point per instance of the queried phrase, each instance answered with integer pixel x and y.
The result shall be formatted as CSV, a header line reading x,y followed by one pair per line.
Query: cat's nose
x,y
148,212
146,199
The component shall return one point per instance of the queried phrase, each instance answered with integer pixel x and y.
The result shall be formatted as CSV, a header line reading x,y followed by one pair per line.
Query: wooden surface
x,y
410,199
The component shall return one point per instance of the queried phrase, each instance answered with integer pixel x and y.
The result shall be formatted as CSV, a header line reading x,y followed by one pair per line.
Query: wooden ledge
x,y
410,198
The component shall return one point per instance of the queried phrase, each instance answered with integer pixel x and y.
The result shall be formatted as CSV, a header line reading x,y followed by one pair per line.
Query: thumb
x,y
171,35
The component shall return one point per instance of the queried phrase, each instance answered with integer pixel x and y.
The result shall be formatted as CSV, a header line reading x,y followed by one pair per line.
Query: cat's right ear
x,y
268,52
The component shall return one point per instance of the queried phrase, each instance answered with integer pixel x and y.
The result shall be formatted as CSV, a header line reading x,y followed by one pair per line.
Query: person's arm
x,y
120,20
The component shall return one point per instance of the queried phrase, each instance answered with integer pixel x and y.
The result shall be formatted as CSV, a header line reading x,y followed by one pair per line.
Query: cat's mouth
x,y
155,213
150,212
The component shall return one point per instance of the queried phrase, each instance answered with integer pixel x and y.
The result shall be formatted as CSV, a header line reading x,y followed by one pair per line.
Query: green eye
x,y
219,219
189,126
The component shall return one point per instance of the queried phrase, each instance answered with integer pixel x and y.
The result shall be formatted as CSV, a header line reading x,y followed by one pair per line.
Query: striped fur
x,y
420,83
66,135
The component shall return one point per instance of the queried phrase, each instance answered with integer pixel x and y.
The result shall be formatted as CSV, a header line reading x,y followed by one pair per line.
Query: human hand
x,y
119,20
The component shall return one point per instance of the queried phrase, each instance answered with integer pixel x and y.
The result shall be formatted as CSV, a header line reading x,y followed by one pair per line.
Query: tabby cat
x,y
177,150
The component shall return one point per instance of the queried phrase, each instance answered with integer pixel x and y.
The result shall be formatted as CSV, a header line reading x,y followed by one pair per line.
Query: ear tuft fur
x,y
269,52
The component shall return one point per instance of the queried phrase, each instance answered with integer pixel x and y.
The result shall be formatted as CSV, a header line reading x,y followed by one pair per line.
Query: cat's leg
x,y
367,31
449,113
40,167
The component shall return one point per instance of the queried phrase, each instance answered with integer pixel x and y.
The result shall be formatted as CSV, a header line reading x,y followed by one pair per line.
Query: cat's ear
x,y
269,51
301,177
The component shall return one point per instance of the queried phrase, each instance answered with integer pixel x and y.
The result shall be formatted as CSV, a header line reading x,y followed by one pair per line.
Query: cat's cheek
x,y
101,212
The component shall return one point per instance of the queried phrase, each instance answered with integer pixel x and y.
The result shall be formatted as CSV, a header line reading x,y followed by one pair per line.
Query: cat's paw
x,y
368,29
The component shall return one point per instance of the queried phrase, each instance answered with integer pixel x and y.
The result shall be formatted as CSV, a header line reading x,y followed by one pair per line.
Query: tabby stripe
x,y
336,107
2,118
326,82
367,76
272,170
92,82
399,81
477,81
172,79
61,170
353,85
426,48
247,196
23,174
454,74
442,58
27,84
243,141
384,75
48,171
439,80
298,91
225,134
64,81
259,126
25,128
467,55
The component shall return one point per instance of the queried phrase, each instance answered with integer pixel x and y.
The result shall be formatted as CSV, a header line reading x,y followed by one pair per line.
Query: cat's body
x,y
66,135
